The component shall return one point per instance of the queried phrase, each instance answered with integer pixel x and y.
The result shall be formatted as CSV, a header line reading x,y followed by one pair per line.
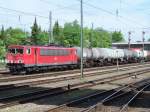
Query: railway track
x,y
54,79
94,102
5,76
55,73
3,72
110,69
120,101
27,97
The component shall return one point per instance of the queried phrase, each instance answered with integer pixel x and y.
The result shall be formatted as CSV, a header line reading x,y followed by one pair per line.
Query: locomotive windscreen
x,y
15,51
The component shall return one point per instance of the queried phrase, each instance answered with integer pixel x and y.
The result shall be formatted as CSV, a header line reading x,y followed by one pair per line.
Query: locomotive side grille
x,y
54,52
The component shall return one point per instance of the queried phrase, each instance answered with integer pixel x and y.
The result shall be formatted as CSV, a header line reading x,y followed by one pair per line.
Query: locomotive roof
x,y
30,46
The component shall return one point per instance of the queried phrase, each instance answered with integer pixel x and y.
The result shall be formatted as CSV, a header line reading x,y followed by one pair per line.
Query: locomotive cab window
x,y
19,51
28,51
13,51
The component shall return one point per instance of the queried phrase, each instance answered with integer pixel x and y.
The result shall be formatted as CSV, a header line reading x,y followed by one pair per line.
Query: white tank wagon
x,y
145,54
87,56
87,53
138,54
128,53
148,56
104,56
107,53
130,56
102,53
118,53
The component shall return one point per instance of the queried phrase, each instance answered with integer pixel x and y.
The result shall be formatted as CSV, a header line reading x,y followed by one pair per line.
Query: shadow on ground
x,y
47,96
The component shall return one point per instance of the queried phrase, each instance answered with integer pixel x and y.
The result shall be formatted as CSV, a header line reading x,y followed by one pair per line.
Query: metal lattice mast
x,y
81,38
51,40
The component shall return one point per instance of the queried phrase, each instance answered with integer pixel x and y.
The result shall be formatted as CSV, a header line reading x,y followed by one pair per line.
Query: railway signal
x,y
129,39
143,38
117,61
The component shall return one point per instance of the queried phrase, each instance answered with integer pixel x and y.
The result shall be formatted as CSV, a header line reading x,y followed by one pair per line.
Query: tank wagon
x,y
33,58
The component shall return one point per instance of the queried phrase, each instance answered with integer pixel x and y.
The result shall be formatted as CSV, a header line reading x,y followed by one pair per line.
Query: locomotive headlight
x,y
7,61
11,61
20,61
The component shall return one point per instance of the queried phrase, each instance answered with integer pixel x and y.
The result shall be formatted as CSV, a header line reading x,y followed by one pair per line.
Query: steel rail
x,y
134,97
64,89
67,105
117,95
14,78
44,81
79,101
39,82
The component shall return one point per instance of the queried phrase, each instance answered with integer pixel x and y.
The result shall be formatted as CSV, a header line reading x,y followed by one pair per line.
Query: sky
x,y
133,15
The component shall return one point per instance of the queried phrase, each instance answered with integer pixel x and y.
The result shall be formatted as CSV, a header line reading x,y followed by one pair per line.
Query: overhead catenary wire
x,y
103,10
61,8
33,14
25,13
65,7
126,19
113,14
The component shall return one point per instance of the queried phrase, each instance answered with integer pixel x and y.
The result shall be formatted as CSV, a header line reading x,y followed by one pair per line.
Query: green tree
x,y
43,38
2,43
2,34
58,33
2,51
117,36
71,32
35,33
87,33
15,36
101,38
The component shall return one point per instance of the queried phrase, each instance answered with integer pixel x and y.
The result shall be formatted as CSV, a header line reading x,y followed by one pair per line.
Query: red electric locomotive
x,y
30,58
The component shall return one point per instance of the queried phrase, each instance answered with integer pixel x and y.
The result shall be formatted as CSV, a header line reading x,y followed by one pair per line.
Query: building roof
x,y
134,43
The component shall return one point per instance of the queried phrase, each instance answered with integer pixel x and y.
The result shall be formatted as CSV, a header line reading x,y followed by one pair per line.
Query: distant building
x,y
132,45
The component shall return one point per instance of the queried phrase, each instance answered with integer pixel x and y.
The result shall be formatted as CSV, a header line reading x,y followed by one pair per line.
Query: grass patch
x,y
2,65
